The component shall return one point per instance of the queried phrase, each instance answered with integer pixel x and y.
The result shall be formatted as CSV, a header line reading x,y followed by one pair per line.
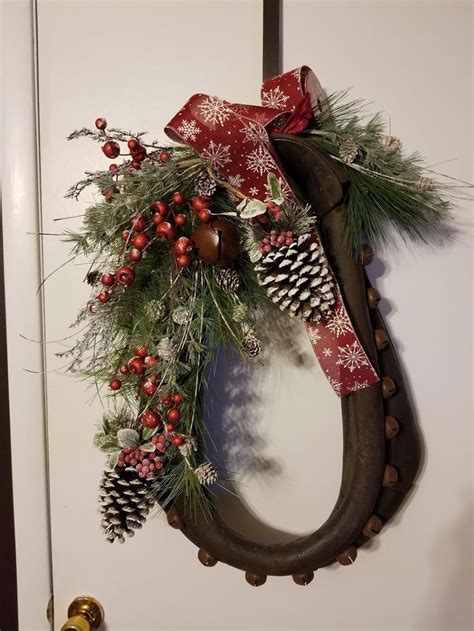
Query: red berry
x,y
161,207
164,156
177,398
165,231
178,198
180,220
107,279
170,427
177,440
135,164
166,399
111,149
141,351
173,415
115,384
124,370
157,219
137,365
182,245
124,235
200,203
101,123
150,361
125,275
183,260
133,144
135,255
113,167
141,240
103,297
205,216
139,223
151,419
148,388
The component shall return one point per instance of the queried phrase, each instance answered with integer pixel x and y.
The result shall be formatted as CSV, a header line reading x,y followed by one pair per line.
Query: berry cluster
x,y
146,464
173,416
138,365
273,213
276,240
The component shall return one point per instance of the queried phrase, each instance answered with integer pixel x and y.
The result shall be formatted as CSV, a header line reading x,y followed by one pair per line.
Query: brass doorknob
x,y
84,613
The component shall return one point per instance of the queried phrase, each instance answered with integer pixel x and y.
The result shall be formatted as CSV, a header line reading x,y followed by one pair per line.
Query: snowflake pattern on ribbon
x,y
234,139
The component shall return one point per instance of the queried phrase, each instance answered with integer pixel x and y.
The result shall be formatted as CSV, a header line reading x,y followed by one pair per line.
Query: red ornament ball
x,y
111,149
101,123
177,398
151,419
177,440
133,144
141,351
138,223
161,208
113,167
107,279
173,415
150,361
166,398
178,198
135,255
170,427
165,231
148,388
180,219
157,219
205,215
200,203
124,370
164,156
137,365
183,260
125,275
115,384
103,297
141,240
182,246
124,235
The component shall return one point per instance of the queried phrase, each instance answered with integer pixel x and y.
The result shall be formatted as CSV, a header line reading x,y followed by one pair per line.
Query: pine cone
x,y
227,279
251,345
206,474
297,278
124,503
167,349
181,315
205,186
392,143
240,312
348,150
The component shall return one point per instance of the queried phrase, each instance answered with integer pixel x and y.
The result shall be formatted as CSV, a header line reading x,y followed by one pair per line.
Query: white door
x,y
136,63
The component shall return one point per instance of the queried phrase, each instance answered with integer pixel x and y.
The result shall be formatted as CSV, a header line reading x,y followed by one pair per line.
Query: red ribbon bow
x,y
234,140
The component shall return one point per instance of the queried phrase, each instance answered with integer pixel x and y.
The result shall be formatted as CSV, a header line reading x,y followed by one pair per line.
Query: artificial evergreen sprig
x,y
156,326
389,193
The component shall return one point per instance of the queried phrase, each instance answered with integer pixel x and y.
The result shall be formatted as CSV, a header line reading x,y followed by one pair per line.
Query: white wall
x,y
413,59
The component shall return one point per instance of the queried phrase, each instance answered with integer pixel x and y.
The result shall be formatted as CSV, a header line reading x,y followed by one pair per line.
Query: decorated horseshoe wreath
x,y
258,208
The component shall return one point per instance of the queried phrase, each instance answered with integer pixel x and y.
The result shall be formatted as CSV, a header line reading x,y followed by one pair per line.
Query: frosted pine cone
x,y
348,151
124,501
181,315
297,278
227,279
206,474
240,312
390,142
425,183
251,345
167,350
155,310
205,186
189,446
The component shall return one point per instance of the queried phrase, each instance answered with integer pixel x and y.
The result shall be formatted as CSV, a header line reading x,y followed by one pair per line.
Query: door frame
x,y
23,325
